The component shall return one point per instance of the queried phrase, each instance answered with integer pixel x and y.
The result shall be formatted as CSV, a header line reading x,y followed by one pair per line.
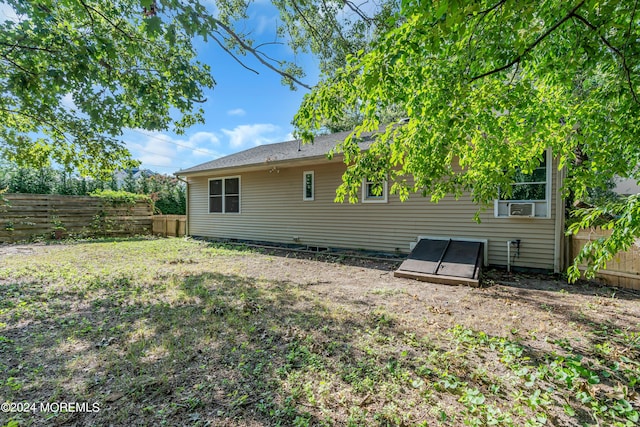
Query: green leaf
x,y
154,25
100,56
569,410
484,95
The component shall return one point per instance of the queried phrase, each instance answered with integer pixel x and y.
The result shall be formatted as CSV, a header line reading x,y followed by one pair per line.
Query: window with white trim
x,y
224,195
308,186
529,193
374,191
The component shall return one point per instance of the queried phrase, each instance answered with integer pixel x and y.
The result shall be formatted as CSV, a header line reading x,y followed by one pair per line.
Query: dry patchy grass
x,y
180,332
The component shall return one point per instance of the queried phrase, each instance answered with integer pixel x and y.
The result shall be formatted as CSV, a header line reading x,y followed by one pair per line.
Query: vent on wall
x,y
522,209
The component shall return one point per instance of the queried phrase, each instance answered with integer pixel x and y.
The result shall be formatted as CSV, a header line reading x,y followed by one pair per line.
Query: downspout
x,y
559,237
186,225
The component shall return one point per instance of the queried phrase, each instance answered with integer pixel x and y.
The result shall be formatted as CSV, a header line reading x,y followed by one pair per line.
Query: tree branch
x,y
335,25
533,45
312,28
14,46
357,10
491,9
304,18
270,58
625,66
15,64
483,14
88,12
633,16
269,44
226,49
38,119
214,24
103,16
601,37
256,54
515,73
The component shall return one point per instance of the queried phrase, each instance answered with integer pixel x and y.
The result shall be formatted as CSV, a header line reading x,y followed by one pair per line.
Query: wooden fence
x,y
622,271
170,225
30,216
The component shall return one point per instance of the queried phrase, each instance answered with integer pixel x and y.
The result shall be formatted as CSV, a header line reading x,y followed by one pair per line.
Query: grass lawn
x,y
180,332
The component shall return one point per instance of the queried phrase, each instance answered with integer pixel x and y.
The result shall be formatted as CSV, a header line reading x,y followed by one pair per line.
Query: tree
x,y
487,86
350,118
75,73
129,182
168,193
333,31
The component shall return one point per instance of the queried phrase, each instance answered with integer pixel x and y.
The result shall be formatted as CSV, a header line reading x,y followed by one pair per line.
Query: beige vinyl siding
x,y
273,210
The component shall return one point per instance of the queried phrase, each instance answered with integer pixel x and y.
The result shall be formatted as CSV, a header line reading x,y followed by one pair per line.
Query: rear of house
x,y
284,193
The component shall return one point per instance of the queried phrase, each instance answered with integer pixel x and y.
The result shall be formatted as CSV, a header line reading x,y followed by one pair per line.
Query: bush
x,y
121,196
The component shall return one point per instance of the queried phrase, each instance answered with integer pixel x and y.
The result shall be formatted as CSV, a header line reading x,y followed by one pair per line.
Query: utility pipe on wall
x,y
509,243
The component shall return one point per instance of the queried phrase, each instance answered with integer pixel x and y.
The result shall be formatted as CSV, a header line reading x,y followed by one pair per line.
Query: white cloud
x,y
68,102
8,13
265,24
236,112
212,7
252,135
198,143
155,149
154,160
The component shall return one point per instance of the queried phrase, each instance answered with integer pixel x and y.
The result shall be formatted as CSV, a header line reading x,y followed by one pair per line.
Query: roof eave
x,y
260,166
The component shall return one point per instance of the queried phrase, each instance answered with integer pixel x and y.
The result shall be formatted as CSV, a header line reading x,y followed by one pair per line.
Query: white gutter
x,y
186,196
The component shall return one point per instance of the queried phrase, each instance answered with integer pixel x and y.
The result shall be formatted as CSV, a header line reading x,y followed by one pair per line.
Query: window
x,y
530,186
308,186
374,191
533,188
224,195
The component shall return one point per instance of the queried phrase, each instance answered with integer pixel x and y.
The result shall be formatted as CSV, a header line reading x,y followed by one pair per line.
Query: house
x,y
626,186
285,193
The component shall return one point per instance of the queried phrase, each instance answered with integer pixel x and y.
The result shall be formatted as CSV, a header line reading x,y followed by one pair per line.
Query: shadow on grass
x,y
216,352
556,283
346,257
83,240
597,312
230,350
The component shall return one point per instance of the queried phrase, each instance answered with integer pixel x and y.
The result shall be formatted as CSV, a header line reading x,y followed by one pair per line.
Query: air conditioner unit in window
x,y
522,209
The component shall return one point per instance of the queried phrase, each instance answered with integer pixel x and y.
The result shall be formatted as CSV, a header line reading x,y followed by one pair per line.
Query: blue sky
x,y
243,110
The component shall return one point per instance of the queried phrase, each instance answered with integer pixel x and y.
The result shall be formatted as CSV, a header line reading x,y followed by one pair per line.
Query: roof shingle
x,y
282,151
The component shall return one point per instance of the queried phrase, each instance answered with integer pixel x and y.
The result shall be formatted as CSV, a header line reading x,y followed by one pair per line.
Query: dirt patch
x,y
178,332
505,302
6,249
